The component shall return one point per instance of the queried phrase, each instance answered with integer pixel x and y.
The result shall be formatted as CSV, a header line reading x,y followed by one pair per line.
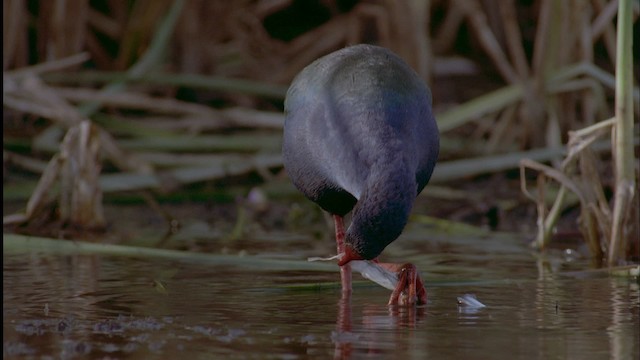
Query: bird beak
x,y
349,255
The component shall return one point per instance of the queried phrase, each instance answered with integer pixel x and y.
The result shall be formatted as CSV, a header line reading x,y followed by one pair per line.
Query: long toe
x,y
410,289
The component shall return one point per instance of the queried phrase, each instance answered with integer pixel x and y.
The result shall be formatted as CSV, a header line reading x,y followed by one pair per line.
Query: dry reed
x,y
545,70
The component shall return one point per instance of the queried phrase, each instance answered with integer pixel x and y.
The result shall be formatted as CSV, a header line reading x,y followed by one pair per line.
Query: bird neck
x,y
382,210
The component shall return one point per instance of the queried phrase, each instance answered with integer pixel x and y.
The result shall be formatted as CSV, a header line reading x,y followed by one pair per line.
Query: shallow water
x,y
72,306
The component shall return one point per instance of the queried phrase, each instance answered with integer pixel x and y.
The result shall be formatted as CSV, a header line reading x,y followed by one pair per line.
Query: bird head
x,y
348,255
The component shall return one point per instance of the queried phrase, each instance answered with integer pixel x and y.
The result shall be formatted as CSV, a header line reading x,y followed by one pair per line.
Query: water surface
x,y
73,306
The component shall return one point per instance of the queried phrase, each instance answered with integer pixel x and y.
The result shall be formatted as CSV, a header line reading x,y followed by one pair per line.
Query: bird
x,y
360,137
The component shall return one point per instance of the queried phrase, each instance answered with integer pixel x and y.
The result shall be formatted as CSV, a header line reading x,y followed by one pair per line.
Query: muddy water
x,y
88,306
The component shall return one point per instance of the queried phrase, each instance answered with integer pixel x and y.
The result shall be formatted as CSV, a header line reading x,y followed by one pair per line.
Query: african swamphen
x,y
360,135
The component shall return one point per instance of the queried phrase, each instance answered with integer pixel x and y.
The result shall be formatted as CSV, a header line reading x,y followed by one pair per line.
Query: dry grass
x,y
161,80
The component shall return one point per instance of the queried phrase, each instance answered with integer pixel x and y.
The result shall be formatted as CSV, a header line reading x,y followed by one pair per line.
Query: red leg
x,y
343,347
410,289
345,270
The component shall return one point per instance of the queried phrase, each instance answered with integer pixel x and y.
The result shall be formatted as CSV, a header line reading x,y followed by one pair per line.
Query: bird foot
x,y
410,288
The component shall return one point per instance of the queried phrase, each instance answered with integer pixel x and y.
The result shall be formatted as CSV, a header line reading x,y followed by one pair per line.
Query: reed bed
x,y
105,97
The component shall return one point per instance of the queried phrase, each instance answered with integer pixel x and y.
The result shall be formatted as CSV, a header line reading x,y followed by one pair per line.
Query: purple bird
x,y
360,135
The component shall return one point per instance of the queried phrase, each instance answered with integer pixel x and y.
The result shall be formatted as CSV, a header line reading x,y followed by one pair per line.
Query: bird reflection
x,y
346,339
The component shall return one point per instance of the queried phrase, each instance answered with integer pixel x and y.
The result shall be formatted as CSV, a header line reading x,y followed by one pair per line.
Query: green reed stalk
x,y
623,136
